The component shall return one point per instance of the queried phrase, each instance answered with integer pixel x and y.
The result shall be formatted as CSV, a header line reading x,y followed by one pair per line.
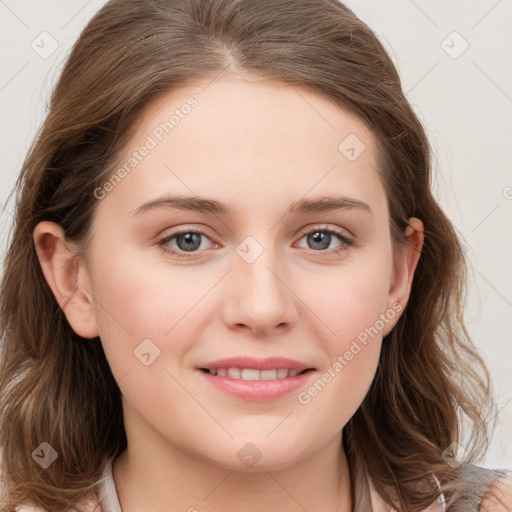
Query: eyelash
x,y
345,241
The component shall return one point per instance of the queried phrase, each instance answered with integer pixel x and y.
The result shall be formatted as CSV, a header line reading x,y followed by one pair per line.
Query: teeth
x,y
268,374
252,374
234,373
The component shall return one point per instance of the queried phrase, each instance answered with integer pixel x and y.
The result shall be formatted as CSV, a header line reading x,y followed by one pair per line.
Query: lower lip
x,y
257,389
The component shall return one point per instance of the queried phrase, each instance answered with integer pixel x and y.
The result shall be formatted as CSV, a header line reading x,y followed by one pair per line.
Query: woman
x,y
229,281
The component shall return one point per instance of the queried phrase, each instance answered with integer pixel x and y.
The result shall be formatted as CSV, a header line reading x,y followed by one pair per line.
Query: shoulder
x,y
26,507
86,505
31,508
21,508
499,496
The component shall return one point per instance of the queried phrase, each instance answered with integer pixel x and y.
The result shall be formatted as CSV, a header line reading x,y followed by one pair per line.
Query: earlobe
x,y
67,277
404,267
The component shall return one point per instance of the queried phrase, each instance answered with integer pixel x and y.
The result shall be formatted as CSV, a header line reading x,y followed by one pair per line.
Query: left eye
x,y
190,241
322,238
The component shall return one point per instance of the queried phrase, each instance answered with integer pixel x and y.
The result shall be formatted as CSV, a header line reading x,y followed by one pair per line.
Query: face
x,y
174,290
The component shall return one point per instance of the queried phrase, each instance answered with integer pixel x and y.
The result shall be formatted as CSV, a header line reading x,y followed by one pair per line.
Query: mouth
x,y
251,378
255,374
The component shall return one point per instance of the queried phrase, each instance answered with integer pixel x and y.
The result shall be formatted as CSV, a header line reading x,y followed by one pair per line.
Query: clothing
x,y
477,481
110,501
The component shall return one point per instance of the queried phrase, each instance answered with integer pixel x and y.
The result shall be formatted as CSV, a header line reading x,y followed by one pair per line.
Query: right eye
x,y
187,241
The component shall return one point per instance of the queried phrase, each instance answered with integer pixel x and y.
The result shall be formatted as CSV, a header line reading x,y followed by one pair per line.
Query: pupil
x,y
192,241
316,238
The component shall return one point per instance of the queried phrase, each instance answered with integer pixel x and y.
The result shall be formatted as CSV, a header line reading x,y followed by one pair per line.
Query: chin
x,y
255,457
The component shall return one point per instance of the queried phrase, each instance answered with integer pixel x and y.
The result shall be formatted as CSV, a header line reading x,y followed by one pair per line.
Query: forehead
x,y
246,107
248,139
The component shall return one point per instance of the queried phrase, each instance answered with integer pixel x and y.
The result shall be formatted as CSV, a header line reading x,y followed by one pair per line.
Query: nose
x,y
259,294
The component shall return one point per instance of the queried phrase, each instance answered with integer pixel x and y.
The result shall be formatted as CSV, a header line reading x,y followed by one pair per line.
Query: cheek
x,y
353,309
137,299
136,292
349,299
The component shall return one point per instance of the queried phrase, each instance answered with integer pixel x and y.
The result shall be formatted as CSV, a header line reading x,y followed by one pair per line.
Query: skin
x,y
256,146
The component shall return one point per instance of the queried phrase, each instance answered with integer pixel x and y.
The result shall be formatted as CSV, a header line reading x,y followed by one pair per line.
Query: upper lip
x,y
267,363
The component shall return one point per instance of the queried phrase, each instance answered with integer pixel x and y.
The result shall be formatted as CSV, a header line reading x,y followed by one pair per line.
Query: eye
x,y
190,241
187,241
320,239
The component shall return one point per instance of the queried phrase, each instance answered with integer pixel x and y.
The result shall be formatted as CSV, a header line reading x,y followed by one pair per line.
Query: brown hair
x,y
57,387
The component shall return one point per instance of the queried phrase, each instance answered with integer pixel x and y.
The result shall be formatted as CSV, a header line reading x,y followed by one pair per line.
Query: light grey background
x,y
463,96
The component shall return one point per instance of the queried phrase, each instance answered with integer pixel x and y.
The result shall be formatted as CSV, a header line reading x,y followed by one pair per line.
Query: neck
x,y
153,475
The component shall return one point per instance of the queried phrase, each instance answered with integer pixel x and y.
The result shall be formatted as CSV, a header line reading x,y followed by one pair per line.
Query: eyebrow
x,y
205,205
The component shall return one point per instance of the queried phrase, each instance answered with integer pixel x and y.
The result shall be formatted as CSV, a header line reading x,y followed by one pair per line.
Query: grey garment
x,y
477,481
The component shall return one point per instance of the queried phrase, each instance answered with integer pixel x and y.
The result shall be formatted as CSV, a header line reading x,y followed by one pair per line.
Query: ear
x,y
403,270
67,277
